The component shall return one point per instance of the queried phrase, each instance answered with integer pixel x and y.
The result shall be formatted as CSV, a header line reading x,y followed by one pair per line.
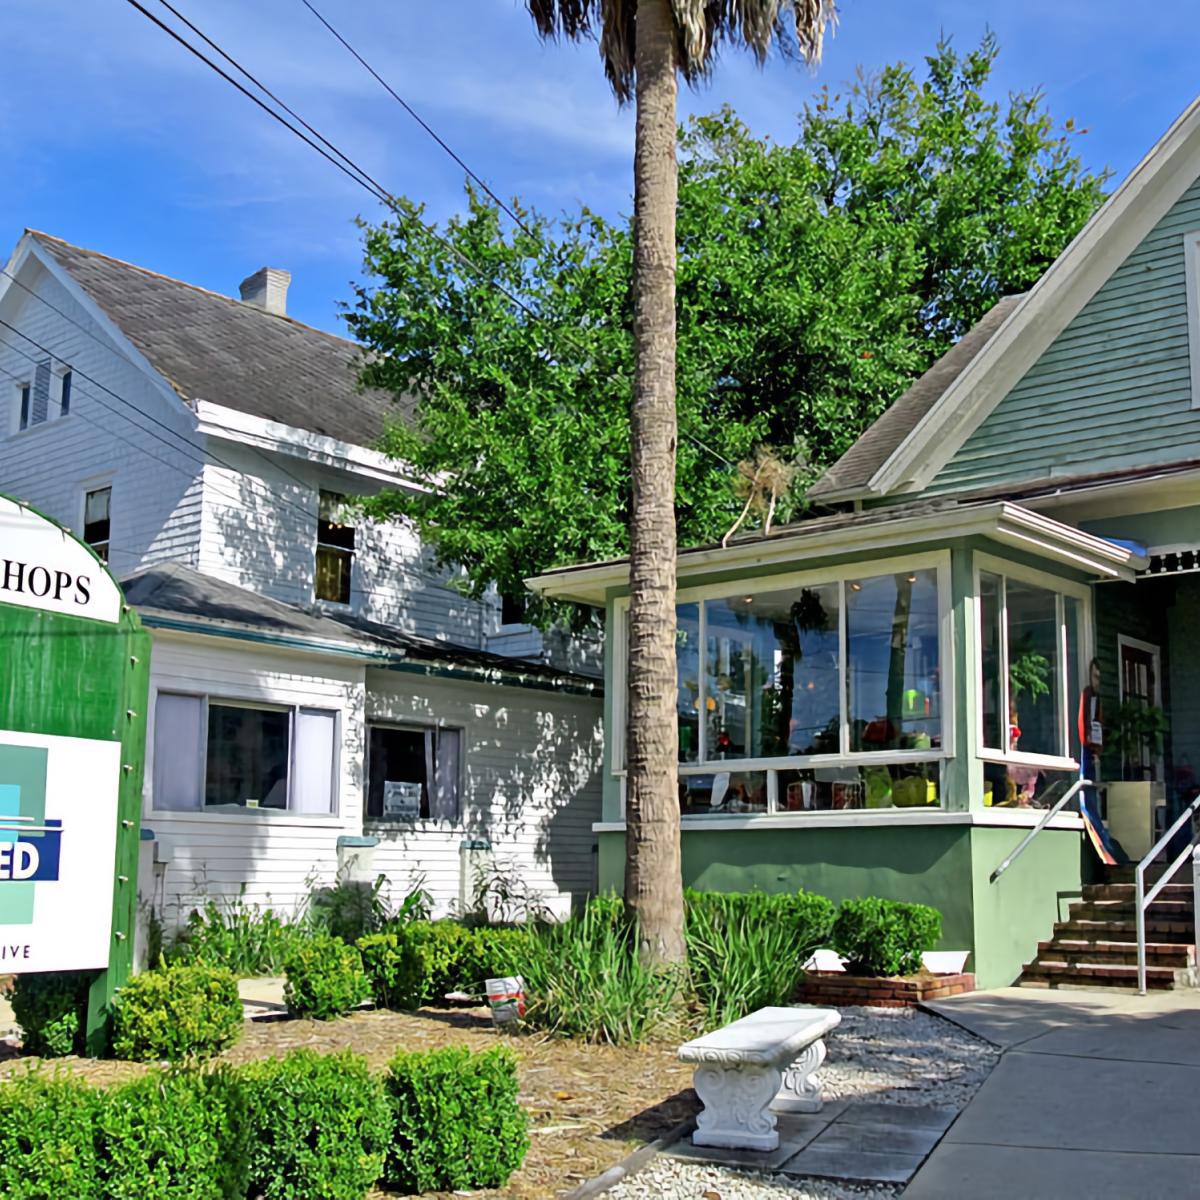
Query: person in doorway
x,y
1091,746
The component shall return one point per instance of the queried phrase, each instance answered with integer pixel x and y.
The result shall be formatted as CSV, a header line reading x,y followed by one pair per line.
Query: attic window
x,y
335,550
96,520
47,395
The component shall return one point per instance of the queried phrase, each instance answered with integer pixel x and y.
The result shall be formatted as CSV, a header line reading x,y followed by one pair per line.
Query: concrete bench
x,y
752,1069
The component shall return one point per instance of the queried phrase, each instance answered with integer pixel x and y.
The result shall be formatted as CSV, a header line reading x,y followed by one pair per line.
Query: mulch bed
x,y
838,988
589,1106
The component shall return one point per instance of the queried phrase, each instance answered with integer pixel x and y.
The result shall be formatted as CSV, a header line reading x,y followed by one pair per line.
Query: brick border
x,y
901,991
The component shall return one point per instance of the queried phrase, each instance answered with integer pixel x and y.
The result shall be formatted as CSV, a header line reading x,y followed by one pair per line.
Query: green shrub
x,y
460,957
349,909
242,937
321,1126
325,978
885,937
47,1142
748,949
395,967
176,1014
51,1010
583,978
174,1135
456,1120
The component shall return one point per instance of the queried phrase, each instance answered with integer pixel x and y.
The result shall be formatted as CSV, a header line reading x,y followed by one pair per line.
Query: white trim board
x,y
997,818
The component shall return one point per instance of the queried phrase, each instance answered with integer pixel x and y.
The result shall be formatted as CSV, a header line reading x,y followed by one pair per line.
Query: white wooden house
x,y
321,694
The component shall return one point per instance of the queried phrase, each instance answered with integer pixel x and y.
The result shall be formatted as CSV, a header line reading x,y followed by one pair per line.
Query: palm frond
x,y
701,26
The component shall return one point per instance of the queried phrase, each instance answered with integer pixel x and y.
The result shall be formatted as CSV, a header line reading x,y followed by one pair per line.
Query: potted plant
x,y
1134,728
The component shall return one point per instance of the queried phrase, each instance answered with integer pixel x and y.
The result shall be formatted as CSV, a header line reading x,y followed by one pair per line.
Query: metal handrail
x,y
1051,813
1144,902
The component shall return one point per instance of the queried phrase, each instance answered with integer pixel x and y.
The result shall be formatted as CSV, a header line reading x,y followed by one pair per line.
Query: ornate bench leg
x,y
800,1091
737,1111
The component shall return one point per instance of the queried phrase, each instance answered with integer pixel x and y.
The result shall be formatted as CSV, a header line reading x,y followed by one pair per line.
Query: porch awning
x,y
869,531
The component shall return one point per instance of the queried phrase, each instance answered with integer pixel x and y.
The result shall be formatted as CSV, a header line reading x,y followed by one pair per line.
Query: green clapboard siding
x,y
1113,390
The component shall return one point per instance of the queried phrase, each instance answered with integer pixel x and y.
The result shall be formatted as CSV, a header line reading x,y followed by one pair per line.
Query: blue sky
x,y
114,138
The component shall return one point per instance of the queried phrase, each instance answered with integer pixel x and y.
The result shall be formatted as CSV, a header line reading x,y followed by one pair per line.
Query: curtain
x,y
444,801
313,756
178,762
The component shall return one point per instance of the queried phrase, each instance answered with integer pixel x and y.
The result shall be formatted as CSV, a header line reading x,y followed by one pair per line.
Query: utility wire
x,y
404,104
350,168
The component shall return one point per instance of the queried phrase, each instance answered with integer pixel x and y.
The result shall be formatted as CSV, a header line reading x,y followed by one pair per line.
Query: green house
x,y
885,698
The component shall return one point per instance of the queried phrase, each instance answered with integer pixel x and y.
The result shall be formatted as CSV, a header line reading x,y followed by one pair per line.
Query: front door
x,y
1140,685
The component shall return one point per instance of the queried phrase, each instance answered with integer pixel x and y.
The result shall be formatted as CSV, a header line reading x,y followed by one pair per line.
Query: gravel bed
x,y
894,1055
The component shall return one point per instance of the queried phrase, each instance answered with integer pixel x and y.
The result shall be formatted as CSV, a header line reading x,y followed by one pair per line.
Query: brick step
x,y
1116,910
1083,975
1125,891
1126,931
1177,955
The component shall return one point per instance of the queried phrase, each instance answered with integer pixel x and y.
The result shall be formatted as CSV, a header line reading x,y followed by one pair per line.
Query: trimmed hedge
x,y
174,1135
395,967
456,1120
885,937
51,1010
321,1126
177,1014
459,957
47,1147
325,978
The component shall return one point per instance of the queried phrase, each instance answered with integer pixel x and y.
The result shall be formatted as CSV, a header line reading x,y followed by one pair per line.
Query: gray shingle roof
x,y
212,347
855,469
173,595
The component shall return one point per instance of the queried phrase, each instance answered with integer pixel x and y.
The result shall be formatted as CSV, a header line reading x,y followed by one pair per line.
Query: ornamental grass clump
x,y
885,937
456,1123
321,1126
325,978
246,939
176,1014
51,1010
584,978
748,950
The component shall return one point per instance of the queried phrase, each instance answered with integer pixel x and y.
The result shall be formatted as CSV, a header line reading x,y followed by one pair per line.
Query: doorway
x,y
1141,684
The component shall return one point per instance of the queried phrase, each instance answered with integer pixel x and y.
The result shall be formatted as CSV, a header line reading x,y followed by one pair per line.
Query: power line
x,y
360,176
418,118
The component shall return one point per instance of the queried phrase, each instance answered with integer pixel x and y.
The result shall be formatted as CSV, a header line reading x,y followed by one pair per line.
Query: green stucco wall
x,y
946,866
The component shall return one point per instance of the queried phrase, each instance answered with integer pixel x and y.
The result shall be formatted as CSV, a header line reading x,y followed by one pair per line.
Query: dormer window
x,y
335,550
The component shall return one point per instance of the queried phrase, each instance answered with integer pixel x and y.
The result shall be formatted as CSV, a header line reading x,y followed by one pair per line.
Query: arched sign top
x,y
43,566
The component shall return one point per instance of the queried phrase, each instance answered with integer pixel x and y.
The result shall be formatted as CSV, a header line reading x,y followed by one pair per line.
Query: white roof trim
x,y
1002,521
233,425
1114,231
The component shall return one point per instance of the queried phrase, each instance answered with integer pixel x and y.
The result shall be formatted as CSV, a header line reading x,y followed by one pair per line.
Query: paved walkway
x,y
1095,1097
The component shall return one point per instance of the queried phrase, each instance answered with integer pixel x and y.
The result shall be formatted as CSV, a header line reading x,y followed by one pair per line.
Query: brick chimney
x,y
267,289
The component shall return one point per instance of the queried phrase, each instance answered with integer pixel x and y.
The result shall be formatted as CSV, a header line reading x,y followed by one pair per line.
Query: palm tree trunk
x,y
653,876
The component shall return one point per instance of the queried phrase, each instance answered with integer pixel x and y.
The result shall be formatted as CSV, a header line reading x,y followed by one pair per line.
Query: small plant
x,y
177,1014
583,978
456,1120
325,978
47,1146
175,1135
1137,727
350,909
321,1126
501,895
1028,672
748,950
231,933
885,937
396,968
51,1010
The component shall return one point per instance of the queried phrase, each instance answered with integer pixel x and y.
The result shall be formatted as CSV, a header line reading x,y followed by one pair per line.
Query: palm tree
x,y
643,44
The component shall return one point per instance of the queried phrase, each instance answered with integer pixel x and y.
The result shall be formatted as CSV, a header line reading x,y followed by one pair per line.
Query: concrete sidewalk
x,y
1095,1098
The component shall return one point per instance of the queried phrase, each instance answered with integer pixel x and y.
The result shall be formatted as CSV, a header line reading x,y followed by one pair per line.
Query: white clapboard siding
x,y
530,786
132,436
273,858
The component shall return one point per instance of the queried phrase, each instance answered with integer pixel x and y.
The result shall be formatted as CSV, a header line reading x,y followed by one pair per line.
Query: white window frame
x,y
415,727
59,372
97,484
1061,588
938,560
238,812
336,605
17,388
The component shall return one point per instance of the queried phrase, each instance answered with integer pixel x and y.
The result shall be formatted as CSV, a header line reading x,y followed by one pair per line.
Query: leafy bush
x,y
748,949
176,1135
47,1147
242,937
885,937
395,967
51,1010
460,957
176,1014
349,909
325,978
456,1120
583,978
321,1126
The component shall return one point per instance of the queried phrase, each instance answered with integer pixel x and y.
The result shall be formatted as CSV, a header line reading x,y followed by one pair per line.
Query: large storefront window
x,y
1031,646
